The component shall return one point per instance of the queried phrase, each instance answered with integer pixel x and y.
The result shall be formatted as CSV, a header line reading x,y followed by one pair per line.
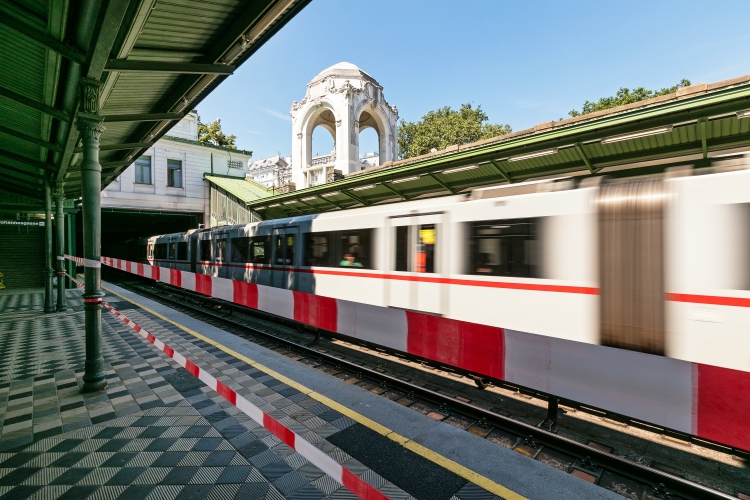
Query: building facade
x,y
169,177
271,172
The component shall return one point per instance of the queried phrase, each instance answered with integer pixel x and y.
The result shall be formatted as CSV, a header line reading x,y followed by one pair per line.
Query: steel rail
x,y
666,486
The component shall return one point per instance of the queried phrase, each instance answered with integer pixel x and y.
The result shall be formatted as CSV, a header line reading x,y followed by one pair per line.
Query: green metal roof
x,y
687,126
244,189
156,59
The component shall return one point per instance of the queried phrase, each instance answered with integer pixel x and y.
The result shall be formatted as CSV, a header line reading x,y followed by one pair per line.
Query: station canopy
x,y
155,59
687,127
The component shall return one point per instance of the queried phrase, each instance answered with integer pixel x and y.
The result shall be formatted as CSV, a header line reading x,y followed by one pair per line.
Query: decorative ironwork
x,y
90,96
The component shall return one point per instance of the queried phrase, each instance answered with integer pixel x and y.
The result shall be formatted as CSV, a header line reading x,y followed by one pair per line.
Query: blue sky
x,y
523,62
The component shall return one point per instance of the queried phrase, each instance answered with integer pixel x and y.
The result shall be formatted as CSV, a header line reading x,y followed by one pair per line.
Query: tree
x,y
625,96
211,133
445,127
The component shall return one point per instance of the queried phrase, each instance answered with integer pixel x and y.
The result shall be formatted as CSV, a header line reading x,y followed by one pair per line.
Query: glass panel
x,y
504,248
143,170
172,250
205,250
355,248
402,248
174,173
289,250
319,249
424,261
221,249
182,250
160,251
261,250
240,249
279,249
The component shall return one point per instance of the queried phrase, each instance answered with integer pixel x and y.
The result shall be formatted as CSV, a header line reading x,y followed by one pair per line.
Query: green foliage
x,y
211,133
445,127
626,96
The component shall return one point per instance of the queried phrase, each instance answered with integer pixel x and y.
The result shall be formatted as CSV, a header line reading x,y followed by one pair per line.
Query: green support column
x,y
70,246
90,127
49,300
60,235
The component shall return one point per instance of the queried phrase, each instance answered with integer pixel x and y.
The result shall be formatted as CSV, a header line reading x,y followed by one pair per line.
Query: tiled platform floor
x,y
157,432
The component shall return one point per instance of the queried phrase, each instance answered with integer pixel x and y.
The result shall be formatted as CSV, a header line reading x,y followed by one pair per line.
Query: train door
x,y
284,257
221,256
631,265
172,253
416,269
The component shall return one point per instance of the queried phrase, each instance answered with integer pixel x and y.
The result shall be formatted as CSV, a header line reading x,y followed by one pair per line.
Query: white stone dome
x,y
343,70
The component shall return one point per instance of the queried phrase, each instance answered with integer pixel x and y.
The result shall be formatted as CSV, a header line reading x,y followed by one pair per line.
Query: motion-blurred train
x,y
613,263
630,295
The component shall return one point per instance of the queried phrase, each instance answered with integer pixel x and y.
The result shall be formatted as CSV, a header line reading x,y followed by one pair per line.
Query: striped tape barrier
x,y
312,454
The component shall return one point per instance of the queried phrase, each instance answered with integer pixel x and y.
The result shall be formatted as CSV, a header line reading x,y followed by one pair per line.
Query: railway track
x,y
591,462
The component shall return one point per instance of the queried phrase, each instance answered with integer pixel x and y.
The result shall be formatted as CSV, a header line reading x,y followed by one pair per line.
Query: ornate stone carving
x,y
89,96
90,129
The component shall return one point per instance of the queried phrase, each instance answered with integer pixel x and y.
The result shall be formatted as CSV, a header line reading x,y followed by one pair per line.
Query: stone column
x,y
70,247
89,125
60,234
49,272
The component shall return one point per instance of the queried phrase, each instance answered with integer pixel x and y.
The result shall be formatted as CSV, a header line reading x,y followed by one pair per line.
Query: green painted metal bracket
x,y
702,128
579,149
143,117
355,197
388,186
325,199
445,185
308,205
123,65
500,171
43,39
49,110
27,160
28,138
114,147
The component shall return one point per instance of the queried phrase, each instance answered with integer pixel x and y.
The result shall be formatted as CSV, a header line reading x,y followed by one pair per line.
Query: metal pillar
x,y
90,127
60,234
70,246
49,300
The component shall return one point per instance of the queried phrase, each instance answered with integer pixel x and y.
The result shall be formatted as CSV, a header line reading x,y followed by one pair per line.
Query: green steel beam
x,y
20,174
331,202
49,110
501,171
115,147
26,160
388,186
19,25
168,67
702,129
444,184
579,149
31,139
19,184
354,197
143,117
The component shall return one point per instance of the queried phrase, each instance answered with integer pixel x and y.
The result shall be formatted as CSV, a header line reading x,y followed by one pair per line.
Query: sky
x,y
523,62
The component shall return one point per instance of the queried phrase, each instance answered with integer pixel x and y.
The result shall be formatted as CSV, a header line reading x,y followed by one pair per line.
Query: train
x,y
625,293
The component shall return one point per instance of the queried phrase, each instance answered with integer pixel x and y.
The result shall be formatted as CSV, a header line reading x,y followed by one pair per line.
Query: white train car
x,y
630,295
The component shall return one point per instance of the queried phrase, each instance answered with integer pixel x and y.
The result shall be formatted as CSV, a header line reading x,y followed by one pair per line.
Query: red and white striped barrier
x,y
312,454
706,401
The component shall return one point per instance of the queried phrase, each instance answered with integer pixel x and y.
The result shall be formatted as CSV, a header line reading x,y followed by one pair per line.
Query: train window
x,y
339,249
182,251
205,250
255,250
319,249
425,255
160,251
221,249
290,249
355,248
504,248
151,251
172,250
279,249
402,248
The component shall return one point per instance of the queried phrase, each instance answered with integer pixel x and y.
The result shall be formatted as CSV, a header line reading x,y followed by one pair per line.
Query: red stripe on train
x,y
316,310
723,405
709,299
245,294
203,284
473,347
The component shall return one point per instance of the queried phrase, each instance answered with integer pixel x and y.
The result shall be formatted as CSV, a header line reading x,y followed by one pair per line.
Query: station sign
x,y
21,223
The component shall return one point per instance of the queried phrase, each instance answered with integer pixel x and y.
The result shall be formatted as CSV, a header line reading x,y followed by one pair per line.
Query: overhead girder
x,y
26,160
31,103
29,138
123,65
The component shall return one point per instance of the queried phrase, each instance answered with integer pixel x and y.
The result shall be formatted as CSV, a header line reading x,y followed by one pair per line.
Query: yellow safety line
x,y
407,443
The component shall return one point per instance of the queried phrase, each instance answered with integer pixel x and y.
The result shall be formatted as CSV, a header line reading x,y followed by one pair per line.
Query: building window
x,y
174,173
143,170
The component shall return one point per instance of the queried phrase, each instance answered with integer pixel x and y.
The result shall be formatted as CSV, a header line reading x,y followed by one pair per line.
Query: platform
x,y
159,432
